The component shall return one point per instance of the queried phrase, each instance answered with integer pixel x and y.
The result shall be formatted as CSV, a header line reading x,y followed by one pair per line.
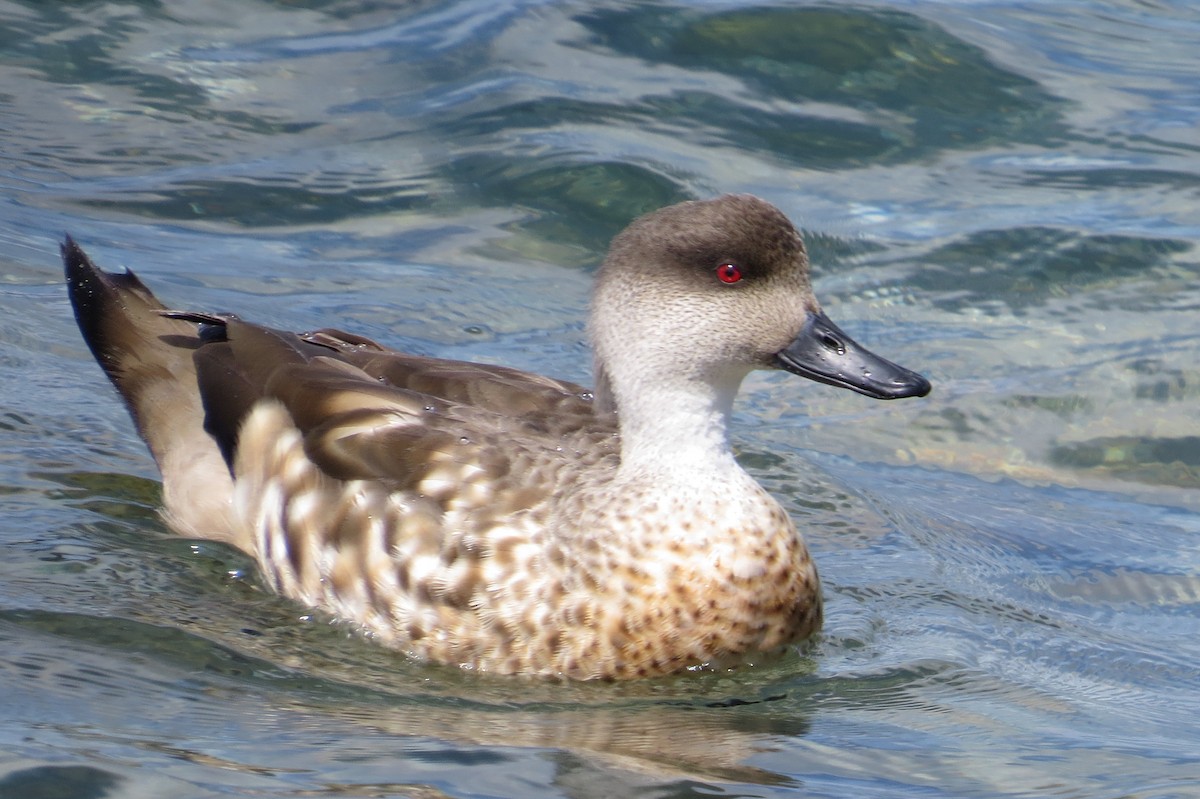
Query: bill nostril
x,y
831,343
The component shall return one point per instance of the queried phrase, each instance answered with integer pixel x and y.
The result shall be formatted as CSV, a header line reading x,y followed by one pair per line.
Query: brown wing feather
x,y
418,424
496,388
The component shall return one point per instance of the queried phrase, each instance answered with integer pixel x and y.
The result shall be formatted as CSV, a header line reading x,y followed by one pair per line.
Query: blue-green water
x,y
1004,195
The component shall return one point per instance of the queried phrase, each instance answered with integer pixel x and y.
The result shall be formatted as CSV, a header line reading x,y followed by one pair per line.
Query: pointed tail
x,y
149,358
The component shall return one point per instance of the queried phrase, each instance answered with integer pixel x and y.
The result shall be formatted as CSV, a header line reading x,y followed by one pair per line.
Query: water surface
x,y
1004,195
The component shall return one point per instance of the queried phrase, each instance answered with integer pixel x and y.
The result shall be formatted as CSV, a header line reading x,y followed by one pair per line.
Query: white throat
x,y
676,428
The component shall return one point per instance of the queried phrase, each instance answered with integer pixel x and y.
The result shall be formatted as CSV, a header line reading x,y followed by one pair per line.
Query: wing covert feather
x,y
418,424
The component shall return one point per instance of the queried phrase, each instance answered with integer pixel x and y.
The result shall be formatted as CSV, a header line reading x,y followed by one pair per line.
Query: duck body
x,y
490,518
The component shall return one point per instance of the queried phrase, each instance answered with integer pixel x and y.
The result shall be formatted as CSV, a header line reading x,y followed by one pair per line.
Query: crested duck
x,y
491,518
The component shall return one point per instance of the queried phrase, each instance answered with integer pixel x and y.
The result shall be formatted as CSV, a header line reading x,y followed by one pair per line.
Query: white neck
x,y
675,452
675,427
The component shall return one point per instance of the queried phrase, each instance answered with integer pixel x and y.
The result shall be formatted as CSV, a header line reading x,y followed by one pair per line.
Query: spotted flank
x,y
494,519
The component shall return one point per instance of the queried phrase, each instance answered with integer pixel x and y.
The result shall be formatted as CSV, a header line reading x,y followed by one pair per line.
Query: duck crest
x,y
494,519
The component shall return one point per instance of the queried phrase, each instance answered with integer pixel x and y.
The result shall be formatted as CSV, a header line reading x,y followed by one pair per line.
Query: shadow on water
x,y
576,206
920,88
1154,460
59,782
1017,270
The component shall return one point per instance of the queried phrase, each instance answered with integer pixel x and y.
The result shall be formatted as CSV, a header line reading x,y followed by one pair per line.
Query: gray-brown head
x,y
704,292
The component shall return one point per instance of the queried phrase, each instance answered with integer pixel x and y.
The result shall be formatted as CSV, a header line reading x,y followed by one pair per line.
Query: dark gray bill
x,y
822,352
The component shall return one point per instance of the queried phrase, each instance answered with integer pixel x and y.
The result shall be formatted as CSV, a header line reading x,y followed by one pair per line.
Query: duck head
x,y
701,293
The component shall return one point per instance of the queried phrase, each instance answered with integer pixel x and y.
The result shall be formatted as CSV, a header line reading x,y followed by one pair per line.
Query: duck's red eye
x,y
729,273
